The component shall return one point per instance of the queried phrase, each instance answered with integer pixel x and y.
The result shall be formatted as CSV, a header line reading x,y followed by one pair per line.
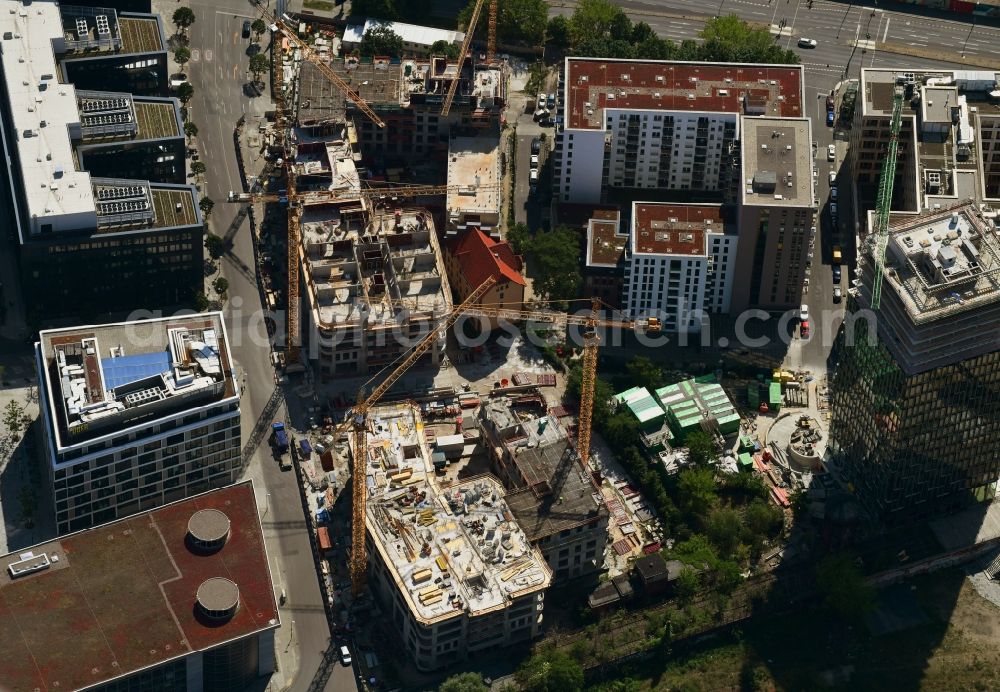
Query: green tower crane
x,y
879,237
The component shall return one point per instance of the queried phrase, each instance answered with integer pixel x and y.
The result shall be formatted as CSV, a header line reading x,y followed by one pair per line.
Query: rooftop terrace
x,y
605,244
450,550
944,262
593,85
674,229
104,379
777,162
112,600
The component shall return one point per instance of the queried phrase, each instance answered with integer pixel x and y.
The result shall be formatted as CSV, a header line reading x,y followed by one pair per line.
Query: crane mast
x,y
491,43
880,233
469,31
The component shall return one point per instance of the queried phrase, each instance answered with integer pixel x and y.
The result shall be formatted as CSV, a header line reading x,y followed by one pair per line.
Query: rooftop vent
x,y
208,530
28,563
218,598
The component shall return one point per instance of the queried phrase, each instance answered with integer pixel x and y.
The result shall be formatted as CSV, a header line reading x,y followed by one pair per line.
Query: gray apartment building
x,y
136,415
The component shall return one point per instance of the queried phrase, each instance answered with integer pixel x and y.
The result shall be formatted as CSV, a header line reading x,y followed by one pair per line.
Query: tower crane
x,y
879,237
356,420
369,194
325,70
491,43
469,31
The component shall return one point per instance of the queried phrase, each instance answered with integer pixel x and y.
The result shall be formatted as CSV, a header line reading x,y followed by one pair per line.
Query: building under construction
x,y
451,565
916,411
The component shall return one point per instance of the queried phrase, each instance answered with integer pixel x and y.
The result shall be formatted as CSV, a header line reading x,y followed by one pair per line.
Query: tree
x,y
687,584
381,40
518,21
201,303
183,18
184,92
602,395
464,682
14,419
259,64
644,373
843,587
445,48
519,238
762,519
215,245
198,168
558,32
258,27
190,130
377,9
724,529
221,285
593,19
182,55
730,39
207,204
696,492
550,670
558,257
701,447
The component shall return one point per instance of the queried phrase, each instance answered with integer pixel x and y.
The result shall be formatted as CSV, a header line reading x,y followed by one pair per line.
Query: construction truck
x,y
280,440
837,255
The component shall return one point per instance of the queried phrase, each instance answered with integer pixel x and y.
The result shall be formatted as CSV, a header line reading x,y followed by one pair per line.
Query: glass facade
x,y
915,446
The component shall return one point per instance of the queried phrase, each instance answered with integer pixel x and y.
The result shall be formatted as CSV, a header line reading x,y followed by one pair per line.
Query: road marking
x,y
208,55
235,67
236,38
886,32
195,55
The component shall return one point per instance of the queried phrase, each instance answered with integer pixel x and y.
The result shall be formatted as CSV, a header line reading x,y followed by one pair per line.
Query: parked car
x,y
833,210
833,192
177,79
345,655
536,145
804,313
246,29
804,330
807,42
831,152
836,273
534,160
541,100
830,102
829,118
533,175
833,177
838,295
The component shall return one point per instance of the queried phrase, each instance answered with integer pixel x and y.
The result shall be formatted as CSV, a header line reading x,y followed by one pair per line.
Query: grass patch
x,y
320,5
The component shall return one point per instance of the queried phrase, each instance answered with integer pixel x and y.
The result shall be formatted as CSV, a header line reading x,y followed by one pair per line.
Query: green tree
x,y
696,492
182,55
557,254
258,27
688,584
550,670
184,92
215,245
593,19
14,419
724,529
558,32
644,373
259,64
730,39
221,285
519,238
198,168
183,18
518,21
445,48
843,587
206,204
376,9
701,447
762,519
381,40
201,303
464,682
190,130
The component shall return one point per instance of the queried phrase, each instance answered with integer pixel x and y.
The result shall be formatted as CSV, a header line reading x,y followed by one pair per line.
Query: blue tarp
x,y
304,446
128,369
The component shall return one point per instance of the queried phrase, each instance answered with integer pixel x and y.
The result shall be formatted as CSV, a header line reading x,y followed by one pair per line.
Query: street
x,y
218,73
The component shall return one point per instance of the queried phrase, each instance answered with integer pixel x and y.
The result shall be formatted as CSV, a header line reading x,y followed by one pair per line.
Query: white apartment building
x,y
136,415
679,263
660,124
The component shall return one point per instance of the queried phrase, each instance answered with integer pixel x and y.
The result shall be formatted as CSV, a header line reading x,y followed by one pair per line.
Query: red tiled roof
x,y
481,257
122,596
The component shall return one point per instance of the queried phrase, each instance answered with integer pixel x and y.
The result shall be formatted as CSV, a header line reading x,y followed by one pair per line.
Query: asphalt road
x,y
218,73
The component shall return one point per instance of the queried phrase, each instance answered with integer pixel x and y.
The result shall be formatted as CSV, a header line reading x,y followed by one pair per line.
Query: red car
x,y
804,330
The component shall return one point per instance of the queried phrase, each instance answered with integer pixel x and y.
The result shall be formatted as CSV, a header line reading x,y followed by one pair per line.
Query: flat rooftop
x,y
777,162
943,262
173,207
333,159
674,229
115,116
474,166
374,271
410,33
451,551
140,34
89,30
103,379
377,81
123,596
56,193
156,119
878,84
605,244
594,84
318,102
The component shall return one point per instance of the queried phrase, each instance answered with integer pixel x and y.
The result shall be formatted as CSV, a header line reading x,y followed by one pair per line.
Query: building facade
x,y
136,415
659,124
679,263
916,397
